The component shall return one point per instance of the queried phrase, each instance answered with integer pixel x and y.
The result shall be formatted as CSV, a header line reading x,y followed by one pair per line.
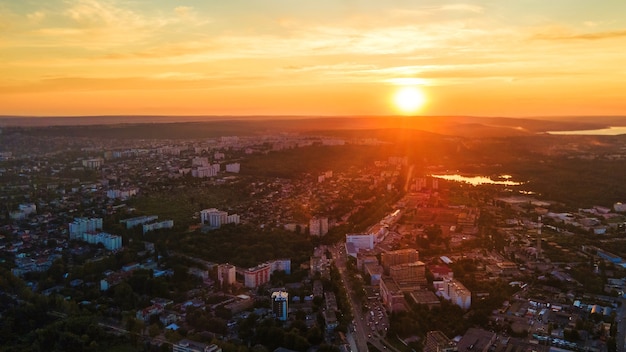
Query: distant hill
x,y
159,127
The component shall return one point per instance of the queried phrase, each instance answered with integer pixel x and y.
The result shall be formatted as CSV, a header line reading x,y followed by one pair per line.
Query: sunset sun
x,y
408,100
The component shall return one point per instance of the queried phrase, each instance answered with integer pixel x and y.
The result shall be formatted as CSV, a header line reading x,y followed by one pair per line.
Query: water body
x,y
611,131
480,180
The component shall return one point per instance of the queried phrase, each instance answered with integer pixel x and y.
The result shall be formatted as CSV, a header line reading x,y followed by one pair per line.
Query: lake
x,y
480,180
611,131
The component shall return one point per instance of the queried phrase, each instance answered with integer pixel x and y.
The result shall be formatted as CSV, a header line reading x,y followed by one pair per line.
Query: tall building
x,y
280,305
110,242
401,256
454,291
82,225
318,226
257,276
281,264
391,295
204,171
213,217
166,224
226,274
216,218
132,222
356,242
409,273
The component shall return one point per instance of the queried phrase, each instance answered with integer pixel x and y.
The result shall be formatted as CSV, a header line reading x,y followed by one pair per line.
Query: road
x,y
361,333
620,339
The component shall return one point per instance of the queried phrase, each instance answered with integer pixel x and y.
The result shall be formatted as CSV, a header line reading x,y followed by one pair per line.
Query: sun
x,y
409,100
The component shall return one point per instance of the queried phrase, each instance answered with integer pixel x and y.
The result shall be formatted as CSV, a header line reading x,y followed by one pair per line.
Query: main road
x,y
361,332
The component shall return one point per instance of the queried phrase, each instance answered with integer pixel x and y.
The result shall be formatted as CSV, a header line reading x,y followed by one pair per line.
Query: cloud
x,y
462,7
582,36
36,17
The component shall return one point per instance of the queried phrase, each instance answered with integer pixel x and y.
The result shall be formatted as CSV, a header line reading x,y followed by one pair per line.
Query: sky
x,y
316,58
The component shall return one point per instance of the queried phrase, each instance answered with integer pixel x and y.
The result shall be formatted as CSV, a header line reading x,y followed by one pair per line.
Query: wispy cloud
x,y
463,8
581,36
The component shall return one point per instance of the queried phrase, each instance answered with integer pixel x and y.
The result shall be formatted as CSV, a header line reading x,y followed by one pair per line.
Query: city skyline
x,y
101,57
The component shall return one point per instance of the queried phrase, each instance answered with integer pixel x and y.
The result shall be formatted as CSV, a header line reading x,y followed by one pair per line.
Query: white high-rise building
x,y
110,242
216,218
454,291
83,225
226,274
204,171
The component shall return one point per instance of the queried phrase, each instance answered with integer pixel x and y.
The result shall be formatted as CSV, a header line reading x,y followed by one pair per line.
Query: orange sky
x,y
325,57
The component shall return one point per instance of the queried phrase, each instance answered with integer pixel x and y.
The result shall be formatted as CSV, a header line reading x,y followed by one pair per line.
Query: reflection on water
x,y
611,131
480,180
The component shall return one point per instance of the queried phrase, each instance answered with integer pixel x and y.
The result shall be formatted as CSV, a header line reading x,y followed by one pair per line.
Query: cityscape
x,y
312,176
304,241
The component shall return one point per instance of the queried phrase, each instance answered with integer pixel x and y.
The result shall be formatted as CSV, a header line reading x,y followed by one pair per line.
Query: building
x,y
204,171
391,295
441,272
357,242
477,340
409,273
319,264
166,224
257,276
455,292
226,274
281,264
234,168
318,226
239,304
24,210
82,225
132,222
233,219
365,257
200,161
280,305
426,298
437,341
186,345
374,271
110,242
217,218
401,256
122,193
93,163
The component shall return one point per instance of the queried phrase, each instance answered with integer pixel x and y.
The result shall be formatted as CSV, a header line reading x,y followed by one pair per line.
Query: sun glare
x,y
409,100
